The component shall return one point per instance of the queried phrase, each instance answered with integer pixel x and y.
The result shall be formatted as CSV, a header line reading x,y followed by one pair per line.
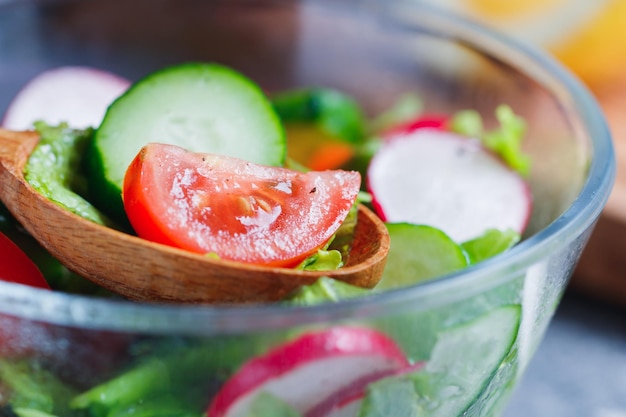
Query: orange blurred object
x,y
331,156
589,37
310,146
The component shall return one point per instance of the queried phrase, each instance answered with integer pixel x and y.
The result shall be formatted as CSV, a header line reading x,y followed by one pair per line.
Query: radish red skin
x,y
432,121
349,407
355,392
447,181
349,394
309,349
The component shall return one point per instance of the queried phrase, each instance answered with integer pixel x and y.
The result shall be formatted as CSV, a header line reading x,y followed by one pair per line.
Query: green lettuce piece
x,y
31,387
490,244
408,107
505,140
29,412
467,123
54,169
265,405
178,369
325,290
322,260
160,406
342,241
391,397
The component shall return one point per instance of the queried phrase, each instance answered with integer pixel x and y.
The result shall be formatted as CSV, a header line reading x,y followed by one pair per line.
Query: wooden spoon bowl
x,y
146,271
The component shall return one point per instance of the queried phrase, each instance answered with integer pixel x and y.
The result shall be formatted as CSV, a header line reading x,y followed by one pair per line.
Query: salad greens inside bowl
x,y
488,162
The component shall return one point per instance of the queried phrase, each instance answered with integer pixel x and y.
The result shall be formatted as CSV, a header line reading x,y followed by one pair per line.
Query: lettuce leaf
x,y
325,290
505,140
490,244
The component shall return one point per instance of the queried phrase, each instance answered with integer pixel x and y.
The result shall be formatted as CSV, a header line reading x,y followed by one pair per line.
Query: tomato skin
x,y
16,266
240,211
88,352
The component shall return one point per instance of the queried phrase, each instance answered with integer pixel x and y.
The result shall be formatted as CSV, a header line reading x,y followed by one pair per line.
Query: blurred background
x,y
580,368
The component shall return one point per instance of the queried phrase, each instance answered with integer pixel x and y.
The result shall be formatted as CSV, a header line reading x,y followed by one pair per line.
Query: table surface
x,y
579,369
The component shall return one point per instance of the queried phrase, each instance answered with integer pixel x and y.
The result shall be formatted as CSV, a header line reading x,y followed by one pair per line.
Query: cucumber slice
x,y
464,361
490,244
202,107
419,253
418,332
462,365
493,398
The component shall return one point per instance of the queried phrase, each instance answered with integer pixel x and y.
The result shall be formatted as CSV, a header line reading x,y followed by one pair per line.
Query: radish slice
x,y
347,401
447,181
76,95
348,408
351,393
310,369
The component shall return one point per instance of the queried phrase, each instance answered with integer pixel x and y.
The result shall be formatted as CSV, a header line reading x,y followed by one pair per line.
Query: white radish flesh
x,y
347,394
349,408
76,95
447,181
346,402
310,369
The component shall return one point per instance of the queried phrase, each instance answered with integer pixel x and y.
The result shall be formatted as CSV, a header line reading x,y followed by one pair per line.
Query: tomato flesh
x,y
16,266
241,211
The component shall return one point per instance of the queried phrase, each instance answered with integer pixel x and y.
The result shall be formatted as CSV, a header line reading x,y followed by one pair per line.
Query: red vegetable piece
x,y
16,266
79,352
240,211
447,181
311,369
348,407
433,121
347,401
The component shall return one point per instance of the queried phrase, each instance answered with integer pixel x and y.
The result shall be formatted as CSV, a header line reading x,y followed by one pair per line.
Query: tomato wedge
x,y
16,266
238,210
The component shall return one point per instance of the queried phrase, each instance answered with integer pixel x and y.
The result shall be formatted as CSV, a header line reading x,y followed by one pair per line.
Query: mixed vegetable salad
x,y
199,157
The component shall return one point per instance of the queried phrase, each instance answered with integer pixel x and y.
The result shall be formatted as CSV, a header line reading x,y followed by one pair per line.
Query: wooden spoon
x,y
146,271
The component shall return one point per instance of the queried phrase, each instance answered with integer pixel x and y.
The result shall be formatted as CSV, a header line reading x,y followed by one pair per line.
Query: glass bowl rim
x,y
125,316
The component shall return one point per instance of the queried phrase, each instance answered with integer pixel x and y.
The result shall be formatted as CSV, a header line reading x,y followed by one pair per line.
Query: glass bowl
x,y
463,339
